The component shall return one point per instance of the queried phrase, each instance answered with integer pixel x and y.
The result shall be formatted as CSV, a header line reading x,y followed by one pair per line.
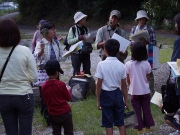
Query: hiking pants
x,y
79,58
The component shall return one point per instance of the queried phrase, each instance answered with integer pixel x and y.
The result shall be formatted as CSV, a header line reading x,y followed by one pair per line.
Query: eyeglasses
x,y
52,30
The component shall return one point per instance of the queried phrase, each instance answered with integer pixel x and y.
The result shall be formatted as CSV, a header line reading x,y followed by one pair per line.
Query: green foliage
x,y
160,10
32,10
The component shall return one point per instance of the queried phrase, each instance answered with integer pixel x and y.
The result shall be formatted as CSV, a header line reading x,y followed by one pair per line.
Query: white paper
x,y
173,66
124,43
155,56
157,98
136,36
91,37
73,48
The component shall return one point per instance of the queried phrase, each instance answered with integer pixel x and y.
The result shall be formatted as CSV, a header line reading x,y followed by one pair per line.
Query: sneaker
x,y
177,132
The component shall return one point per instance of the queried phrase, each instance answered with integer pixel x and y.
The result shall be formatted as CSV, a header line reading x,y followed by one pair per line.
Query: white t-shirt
x,y
137,71
111,71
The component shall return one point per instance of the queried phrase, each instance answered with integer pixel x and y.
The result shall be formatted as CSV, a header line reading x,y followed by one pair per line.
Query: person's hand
x,y
98,105
81,37
42,48
160,106
126,105
144,40
59,38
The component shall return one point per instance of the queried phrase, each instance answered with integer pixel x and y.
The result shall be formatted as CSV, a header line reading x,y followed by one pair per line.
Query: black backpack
x,y
66,42
169,97
74,34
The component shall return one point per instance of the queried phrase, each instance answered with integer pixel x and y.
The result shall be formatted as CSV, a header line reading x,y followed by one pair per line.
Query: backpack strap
x,y
74,30
56,41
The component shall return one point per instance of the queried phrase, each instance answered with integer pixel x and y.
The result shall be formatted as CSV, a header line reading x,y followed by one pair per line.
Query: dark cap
x,y
116,13
53,65
42,22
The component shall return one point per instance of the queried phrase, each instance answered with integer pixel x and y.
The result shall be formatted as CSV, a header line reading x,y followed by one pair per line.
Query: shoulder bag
x,y
5,64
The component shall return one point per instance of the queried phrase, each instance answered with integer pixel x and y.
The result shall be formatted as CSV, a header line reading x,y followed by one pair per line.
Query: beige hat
x,y
78,16
141,14
116,13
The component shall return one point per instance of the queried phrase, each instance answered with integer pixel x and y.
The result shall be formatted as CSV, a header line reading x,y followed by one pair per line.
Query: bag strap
x,y
169,77
5,64
56,41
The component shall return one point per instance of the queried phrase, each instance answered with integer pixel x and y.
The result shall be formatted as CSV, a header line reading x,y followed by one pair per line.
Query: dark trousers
x,y
17,113
65,121
141,105
77,60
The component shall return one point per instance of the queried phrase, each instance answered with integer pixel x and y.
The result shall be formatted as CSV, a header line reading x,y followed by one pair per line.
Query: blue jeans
x,y
17,113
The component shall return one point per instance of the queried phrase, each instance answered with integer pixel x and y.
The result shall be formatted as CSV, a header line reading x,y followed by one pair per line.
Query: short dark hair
x,y
177,20
9,33
139,51
112,47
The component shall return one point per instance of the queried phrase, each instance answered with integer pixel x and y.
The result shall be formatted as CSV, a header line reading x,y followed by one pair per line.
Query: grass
x,y
86,116
25,36
165,40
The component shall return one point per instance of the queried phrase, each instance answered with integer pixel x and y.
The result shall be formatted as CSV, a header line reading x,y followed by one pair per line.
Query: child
x,y
138,72
55,95
111,76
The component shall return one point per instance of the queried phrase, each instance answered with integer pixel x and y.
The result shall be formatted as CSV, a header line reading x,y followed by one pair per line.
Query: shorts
x,y
172,120
113,106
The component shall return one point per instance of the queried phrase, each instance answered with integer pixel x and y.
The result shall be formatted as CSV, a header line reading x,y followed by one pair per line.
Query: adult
x,y
81,31
47,49
16,94
37,35
176,52
106,32
142,19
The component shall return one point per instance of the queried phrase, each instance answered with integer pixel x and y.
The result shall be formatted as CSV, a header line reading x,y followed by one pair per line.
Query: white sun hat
x,y
78,16
141,14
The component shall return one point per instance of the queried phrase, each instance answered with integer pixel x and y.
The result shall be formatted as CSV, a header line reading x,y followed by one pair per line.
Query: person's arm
x,y
31,66
71,39
149,72
39,50
66,93
148,76
98,91
152,38
128,79
124,91
33,44
99,43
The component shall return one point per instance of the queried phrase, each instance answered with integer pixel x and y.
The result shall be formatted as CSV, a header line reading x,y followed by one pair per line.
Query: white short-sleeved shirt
x,y
137,71
111,71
